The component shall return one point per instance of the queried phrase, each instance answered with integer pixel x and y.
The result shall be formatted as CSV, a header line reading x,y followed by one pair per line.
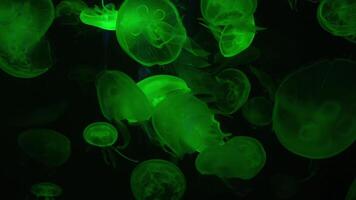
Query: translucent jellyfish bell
x,y
157,179
258,111
46,190
240,157
150,31
104,136
313,115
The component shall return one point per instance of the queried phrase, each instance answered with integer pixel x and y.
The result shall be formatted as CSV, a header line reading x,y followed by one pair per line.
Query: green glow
x,y
258,111
351,194
46,146
121,99
185,124
100,134
70,7
314,109
103,18
241,157
150,31
24,53
46,190
158,87
157,179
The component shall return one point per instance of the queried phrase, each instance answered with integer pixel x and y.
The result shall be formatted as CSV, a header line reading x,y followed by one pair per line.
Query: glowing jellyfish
x,y
314,109
103,18
46,146
240,157
121,99
104,136
24,53
351,194
158,87
185,124
338,17
157,179
46,190
258,111
232,91
150,31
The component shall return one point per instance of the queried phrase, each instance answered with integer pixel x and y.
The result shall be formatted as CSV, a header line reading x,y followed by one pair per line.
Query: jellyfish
x,y
121,99
24,52
104,135
46,146
240,157
157,179
150,31
313,114
46,190
338,17
351,194
158,87
184,125
258,111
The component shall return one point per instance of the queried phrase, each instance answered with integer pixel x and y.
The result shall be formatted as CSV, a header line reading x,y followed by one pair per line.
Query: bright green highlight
x,y
150,31
46,190
158,87
258,111
314,109
100,134
46,146
241,157
351,194
24,53
121,99
185,124
157,179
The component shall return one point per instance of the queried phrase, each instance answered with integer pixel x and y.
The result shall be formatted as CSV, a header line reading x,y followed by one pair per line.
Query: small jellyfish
x,y
104,136
46,190
258,111
157,179
185,124
150,31
351,194
46,146
313,114
240,157
158,87
121,99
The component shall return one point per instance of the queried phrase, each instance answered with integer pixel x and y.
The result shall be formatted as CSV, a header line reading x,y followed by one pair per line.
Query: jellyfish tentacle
x,y
127,158
126,136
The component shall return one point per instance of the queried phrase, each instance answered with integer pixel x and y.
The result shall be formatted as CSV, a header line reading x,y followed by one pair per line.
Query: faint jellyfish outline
x,y
46,190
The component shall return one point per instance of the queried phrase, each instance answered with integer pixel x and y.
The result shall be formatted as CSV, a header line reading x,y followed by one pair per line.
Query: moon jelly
x,y
46,190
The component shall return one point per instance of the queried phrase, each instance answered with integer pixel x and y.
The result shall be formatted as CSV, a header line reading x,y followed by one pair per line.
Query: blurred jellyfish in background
x,y
105,136
150,31
24,52
314,111
46,146
240,157
338,17
46,190
184,125
157,179
258,111
351,194
71,10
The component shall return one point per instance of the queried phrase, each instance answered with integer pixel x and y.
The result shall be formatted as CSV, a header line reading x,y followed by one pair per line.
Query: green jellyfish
x,y
24,52
185,124
313,114
351,194
46,146
46,190
104,136
240,157
158,87
150,31
121,99
103,18
258,111
338,17
157,179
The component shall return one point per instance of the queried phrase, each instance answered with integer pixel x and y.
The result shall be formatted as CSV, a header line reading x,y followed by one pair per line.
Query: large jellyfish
x,y
157,179
314,109
150,31
258,111
185,124
338,17
46,146
104,136
241,157
158,87
46,190
24,53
